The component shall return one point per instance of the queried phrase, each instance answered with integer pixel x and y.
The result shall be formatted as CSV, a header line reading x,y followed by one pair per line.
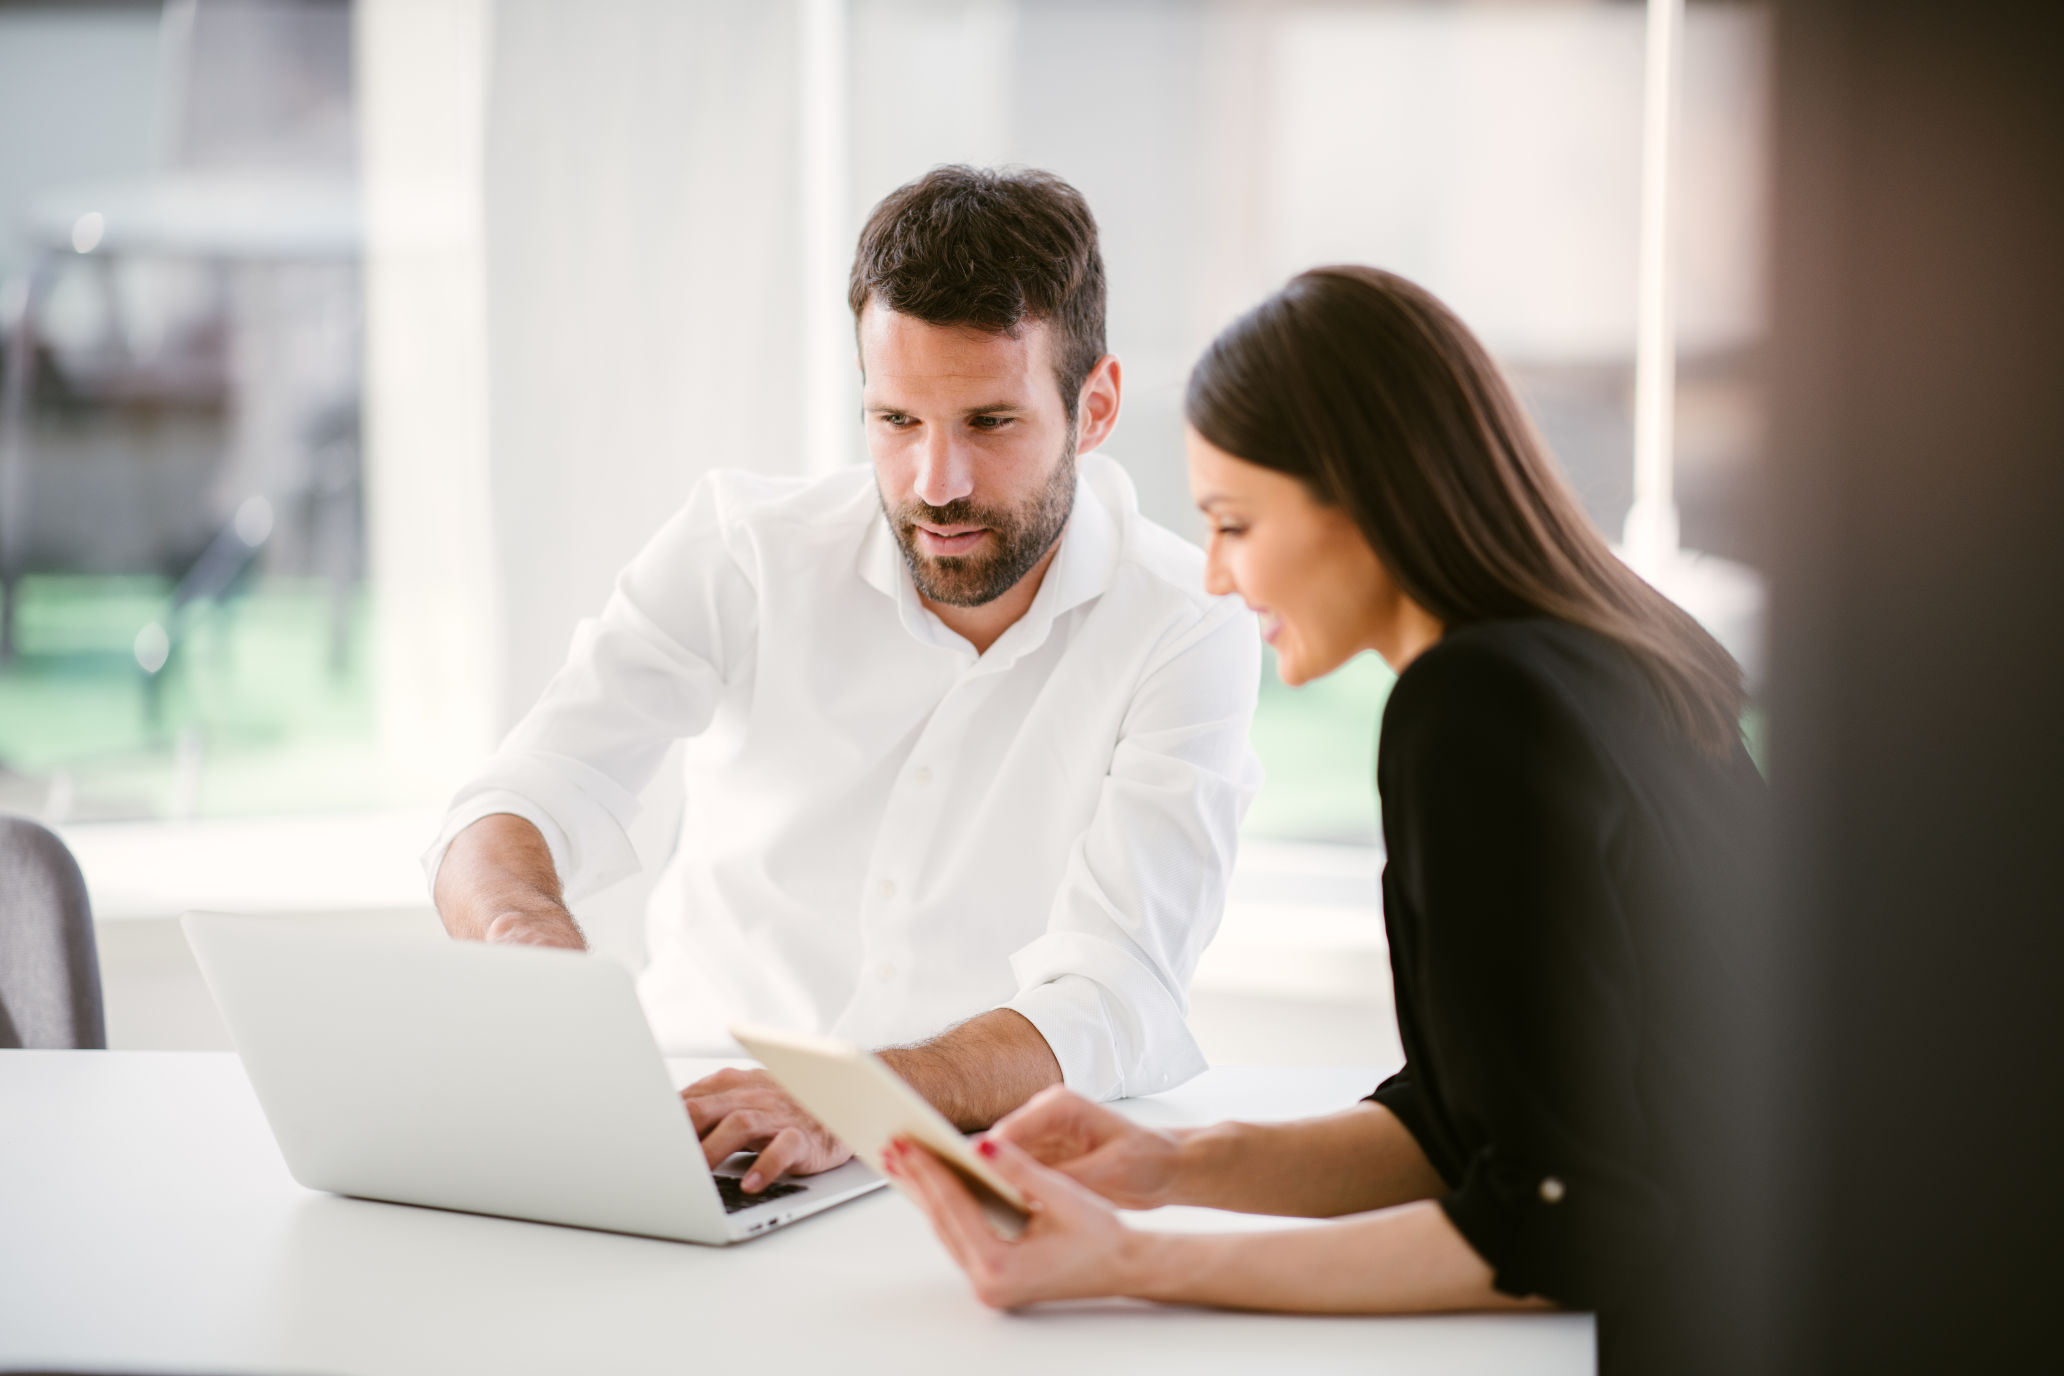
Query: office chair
x,y
49,969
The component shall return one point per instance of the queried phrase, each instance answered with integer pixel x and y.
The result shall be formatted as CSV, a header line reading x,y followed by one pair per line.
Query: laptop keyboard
x,y
735,1198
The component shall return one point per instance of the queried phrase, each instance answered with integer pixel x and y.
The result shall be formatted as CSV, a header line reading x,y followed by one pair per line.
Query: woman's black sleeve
x,y
1400,1094
1501,819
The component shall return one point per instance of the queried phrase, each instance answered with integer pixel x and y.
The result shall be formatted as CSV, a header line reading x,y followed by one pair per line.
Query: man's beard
x,y
1022,538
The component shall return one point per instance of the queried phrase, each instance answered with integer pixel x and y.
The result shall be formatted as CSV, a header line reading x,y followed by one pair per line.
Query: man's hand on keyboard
x,y
744,1110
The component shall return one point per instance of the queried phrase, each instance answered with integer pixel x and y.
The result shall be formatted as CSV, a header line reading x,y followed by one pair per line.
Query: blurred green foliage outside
x,y
255,712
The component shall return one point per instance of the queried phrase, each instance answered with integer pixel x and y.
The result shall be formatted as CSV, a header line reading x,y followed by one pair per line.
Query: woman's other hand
x,y
1073,1245
1131,1166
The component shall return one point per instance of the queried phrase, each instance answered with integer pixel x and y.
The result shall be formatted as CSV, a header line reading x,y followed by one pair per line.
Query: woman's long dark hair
x,y
1371,392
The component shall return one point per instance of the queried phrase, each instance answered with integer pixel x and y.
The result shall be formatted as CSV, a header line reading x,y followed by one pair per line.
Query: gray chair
x,y
49,969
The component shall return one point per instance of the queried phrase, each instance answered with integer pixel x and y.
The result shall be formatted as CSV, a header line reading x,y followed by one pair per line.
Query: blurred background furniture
x,y
212,307
49,968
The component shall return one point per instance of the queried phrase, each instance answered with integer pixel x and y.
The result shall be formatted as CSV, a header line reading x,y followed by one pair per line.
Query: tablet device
x,y
867,1105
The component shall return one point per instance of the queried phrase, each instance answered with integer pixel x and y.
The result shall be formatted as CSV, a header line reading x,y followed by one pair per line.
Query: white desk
x,y
148,1223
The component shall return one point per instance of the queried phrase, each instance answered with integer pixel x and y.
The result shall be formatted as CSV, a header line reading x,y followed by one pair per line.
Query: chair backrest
x,y
49,969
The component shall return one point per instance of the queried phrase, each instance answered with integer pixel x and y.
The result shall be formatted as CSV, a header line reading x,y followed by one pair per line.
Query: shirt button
x,y
920,776
1552,1190
885,971
887,888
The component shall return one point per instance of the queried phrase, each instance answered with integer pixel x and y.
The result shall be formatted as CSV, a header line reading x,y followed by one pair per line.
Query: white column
x,y
824,165
1650,537
422,73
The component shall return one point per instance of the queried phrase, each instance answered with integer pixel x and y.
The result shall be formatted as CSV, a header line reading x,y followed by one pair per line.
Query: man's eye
x,y
895,419
990,422
1229,531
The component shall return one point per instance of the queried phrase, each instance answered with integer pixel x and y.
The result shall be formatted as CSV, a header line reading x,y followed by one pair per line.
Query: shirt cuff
x,y
1113,1026
582,813
492,803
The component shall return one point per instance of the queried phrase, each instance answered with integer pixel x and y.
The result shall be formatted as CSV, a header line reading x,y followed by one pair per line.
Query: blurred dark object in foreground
x,y
1910,1216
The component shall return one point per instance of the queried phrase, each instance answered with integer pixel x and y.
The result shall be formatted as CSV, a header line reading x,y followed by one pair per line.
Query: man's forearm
x,y
982,1069
497,882
1349,1162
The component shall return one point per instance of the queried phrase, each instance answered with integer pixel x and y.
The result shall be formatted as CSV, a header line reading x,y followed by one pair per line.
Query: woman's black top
x,y
1567,893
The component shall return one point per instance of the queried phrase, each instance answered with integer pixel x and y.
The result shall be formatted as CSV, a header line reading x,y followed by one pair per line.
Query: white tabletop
x,y
147,1222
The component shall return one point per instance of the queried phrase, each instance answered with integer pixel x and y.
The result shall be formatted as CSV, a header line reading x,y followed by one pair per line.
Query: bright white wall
x,y
430,538
581,296
1492,153
642,287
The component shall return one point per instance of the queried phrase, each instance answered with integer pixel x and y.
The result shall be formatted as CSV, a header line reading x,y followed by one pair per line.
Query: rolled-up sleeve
x,y
1107,985
650,670
1400,1094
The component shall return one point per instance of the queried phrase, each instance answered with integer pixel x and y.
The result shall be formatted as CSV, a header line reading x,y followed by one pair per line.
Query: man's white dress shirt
x,y
884,832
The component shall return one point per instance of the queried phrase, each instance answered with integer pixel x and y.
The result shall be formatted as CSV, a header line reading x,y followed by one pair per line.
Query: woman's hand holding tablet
x,y
869,1106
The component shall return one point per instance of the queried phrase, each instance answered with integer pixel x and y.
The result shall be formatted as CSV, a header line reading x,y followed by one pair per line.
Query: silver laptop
x,y
503,1080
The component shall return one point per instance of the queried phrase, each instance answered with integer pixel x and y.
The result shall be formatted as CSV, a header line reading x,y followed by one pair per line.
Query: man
x,y
966,740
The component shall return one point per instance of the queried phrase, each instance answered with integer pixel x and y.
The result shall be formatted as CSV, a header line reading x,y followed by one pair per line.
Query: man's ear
x,y
1096,407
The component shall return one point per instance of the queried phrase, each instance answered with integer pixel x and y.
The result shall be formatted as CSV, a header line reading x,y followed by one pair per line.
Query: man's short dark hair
x,y
989,249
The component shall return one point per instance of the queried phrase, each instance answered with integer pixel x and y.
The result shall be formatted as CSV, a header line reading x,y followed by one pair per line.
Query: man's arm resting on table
x,y
497,883
980,1070
973,1073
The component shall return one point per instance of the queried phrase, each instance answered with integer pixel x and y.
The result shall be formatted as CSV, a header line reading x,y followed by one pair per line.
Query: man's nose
x,y
945,472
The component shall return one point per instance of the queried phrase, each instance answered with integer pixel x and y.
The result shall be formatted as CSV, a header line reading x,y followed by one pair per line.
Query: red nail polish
x,y
986,1147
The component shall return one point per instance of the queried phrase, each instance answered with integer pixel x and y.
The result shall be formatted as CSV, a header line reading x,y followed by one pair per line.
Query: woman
x,y
1574,837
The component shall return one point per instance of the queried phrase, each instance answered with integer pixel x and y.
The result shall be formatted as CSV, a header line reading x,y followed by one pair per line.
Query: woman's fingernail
x,y
986,1147
751,1182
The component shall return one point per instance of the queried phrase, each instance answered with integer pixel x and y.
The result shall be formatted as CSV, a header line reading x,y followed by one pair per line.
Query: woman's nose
x,y
1218,579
